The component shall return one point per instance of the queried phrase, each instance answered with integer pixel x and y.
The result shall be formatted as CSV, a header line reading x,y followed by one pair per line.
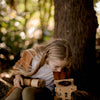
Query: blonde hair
x,y
57,48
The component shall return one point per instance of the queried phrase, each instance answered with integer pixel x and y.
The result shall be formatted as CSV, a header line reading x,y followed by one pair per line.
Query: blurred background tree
x,y
23,23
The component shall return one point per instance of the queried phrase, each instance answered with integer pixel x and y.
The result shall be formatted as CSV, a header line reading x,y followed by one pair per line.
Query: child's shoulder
x,y
30,51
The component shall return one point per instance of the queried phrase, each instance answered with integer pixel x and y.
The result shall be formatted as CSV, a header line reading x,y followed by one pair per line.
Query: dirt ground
x,y
4,88
6,81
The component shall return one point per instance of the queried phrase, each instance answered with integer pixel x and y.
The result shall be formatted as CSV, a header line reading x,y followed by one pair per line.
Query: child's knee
x,y
28,93
28,90
15,95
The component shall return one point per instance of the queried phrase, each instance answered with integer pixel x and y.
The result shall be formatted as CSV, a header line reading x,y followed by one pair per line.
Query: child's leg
x,y
31,93
15,95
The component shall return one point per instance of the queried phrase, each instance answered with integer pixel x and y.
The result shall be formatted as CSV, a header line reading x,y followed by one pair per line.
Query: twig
x,y
6,83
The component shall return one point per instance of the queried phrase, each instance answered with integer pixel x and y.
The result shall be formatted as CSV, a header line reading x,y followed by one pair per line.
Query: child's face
x,y
56,65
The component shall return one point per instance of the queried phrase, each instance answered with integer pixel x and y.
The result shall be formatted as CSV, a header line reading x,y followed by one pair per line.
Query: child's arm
x,y
23,66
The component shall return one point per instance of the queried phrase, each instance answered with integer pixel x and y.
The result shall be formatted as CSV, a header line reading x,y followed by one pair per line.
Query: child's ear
x,y
69,61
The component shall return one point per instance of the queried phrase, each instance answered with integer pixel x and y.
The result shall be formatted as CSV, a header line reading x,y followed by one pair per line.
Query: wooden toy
x,y
34,82
64,88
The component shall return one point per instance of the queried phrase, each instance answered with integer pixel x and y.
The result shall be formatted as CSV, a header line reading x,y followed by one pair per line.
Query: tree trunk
x,y
75,21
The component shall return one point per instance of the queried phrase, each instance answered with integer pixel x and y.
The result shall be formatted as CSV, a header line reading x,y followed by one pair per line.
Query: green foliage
x,y
14,18
10,39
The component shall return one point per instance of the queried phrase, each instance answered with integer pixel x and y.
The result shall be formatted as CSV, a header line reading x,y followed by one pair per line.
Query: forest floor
x,y
6,82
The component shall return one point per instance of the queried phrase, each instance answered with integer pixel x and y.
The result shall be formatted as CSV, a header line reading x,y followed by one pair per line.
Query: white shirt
x,y
44,73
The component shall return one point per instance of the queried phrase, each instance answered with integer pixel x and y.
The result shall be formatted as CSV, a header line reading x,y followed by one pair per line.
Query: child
x,y
40,62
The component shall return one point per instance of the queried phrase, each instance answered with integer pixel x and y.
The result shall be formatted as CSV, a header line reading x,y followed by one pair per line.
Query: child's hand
x,y
18,81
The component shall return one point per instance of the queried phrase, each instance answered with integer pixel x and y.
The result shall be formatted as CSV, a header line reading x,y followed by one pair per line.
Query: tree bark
x,y
75,21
